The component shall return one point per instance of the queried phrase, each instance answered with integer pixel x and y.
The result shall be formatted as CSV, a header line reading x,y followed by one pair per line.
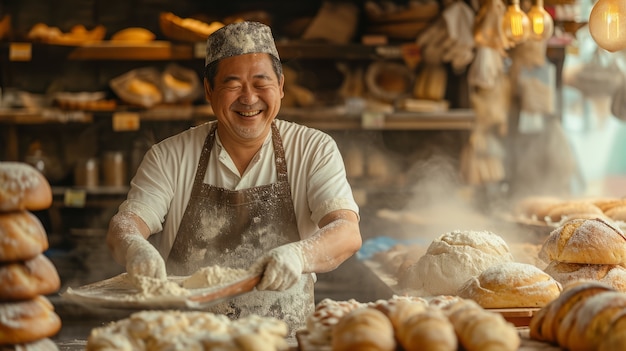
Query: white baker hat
x,y
240,38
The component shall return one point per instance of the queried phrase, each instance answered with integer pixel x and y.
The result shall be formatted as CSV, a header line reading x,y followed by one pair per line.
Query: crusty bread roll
x,y
452,259
544,325
585,328
366,329
22,236
23,280
612,275
591,241
605,204
536,207
420,327
326,315
22,187
480,330
568,210
44,344
27,321
510,285
617,213
133,35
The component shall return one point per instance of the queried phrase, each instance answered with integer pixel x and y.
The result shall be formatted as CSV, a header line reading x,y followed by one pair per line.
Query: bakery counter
x,y
78,321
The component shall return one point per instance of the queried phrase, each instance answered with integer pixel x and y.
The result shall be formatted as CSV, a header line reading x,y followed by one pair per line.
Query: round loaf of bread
x,y
568,210
589,241
44,344
27,321
363,329
565,273
511,285
22,236
452,259
22,187
23,280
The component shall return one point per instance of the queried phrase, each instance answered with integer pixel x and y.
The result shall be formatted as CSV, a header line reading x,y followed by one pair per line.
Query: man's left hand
x,y
282,267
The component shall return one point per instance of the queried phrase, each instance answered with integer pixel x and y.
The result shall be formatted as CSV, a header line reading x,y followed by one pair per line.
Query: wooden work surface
x,y
526,343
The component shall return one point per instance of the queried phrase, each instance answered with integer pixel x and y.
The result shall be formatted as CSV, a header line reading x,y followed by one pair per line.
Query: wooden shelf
x,y
322,118
461,119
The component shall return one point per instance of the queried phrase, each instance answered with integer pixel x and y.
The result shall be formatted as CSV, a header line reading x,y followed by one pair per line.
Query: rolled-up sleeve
x,y
151,189
328,188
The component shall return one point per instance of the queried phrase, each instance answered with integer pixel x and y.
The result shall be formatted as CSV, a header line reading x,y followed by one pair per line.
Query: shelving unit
x,y
333,119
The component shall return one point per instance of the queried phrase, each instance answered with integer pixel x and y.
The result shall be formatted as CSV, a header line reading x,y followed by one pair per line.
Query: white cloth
x,y
161,188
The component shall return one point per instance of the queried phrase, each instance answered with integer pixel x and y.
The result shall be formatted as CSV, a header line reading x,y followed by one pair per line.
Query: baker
x,y
245,191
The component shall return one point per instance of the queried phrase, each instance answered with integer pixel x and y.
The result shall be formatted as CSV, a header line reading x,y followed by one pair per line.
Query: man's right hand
x,y
143,259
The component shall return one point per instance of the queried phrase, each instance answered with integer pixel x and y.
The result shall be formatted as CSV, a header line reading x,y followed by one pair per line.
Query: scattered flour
x,y
213,276
207,277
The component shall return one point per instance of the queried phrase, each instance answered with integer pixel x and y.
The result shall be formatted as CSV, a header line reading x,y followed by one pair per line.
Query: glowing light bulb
x,y
607,24
541,23
515,23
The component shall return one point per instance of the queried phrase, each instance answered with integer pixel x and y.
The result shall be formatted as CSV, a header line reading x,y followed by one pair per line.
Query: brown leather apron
x,y
233,228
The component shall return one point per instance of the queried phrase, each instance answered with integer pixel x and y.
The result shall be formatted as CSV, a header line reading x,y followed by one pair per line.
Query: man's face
x,y
246,97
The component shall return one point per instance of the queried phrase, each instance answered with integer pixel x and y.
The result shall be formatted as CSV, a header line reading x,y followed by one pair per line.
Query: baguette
x,y
365,329
426,329
481,330
543,326
615,337
587,326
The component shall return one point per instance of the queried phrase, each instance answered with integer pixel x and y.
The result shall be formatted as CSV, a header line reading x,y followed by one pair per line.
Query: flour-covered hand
x,y
143,259
282,267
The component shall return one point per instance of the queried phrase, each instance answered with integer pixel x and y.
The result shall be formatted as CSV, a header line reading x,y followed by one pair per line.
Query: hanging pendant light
x,y
515,23
541,23
607,24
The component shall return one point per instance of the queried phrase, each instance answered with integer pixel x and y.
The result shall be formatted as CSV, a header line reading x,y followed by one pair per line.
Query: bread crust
x,y
573,209
590,241
25,280
511,285
22,187
589,324
364,329
564,273
27,321
480,330
44,344
22,236
544,325
421,327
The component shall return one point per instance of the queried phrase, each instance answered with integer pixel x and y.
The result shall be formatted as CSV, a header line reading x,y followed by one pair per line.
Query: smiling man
x,y
246,191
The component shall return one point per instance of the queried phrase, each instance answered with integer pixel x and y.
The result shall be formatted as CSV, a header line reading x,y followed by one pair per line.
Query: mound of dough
x,y
511,285
189,330
453,258
213,276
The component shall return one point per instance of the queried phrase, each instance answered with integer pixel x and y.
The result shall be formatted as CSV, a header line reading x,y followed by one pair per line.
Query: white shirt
x,y
161,188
